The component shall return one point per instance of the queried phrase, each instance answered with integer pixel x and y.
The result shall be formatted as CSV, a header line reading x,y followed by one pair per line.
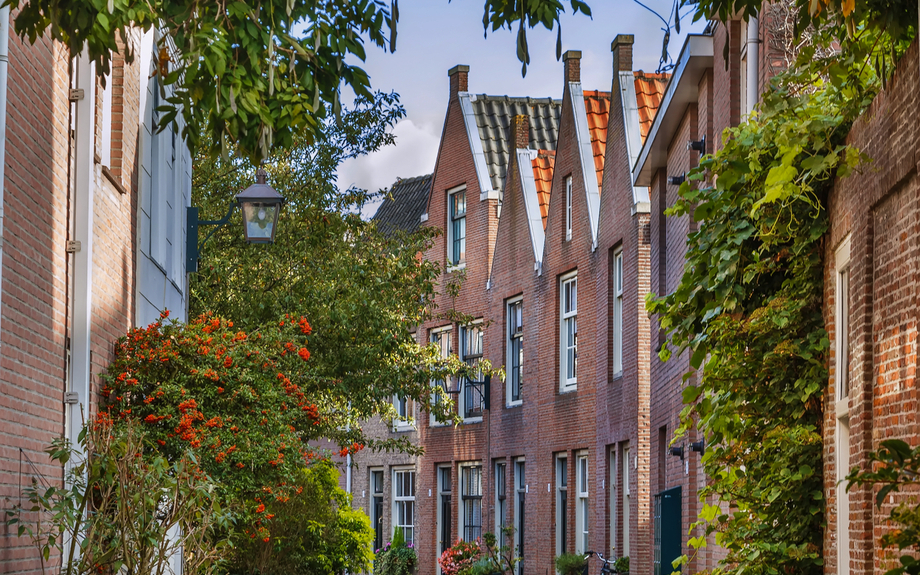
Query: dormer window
x,y
568,208
456,228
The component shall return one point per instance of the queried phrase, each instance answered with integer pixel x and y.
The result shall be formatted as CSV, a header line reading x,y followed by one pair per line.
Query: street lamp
x,y
260,204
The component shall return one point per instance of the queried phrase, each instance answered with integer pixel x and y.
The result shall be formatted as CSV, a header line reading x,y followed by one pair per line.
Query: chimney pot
x,y
572,59
520,131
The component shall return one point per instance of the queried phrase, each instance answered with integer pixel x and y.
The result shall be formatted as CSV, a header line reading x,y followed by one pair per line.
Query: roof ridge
x,y
506,98
401,180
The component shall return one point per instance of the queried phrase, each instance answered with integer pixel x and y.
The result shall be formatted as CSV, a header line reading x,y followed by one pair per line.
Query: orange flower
x,y
220,390
260,508
304,354
265,539
228,361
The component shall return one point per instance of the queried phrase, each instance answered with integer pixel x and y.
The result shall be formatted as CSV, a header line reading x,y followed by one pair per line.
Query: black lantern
x,y
260,204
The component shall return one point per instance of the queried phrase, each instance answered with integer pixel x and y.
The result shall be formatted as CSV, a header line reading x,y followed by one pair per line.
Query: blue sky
x,y
435,35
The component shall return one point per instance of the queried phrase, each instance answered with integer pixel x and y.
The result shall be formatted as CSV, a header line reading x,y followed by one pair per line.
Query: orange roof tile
x,y
649,92
543,166
597,107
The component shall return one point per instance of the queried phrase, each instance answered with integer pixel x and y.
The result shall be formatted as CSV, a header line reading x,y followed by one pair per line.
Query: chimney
x,y
459,77
520,132
622,48
572,59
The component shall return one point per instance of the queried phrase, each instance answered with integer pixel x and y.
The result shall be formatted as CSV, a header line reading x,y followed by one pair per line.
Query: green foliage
x,y
621,565
316,531
258,74
748,312
396,557
894,466
121,501
570,563
361,290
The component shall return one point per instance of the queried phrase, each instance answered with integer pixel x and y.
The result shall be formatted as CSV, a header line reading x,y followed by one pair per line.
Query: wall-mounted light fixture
x,y
677,451
260,204
677,180
698,446
698,145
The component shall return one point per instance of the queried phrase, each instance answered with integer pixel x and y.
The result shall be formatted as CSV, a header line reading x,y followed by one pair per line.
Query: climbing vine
x,y
748,309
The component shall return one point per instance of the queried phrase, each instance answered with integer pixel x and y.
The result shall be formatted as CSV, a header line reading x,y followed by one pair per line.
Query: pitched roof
x,y
649,92
597,108
493,122
543,165
404,204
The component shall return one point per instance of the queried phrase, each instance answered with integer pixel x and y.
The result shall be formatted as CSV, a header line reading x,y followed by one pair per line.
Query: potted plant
x,y
396,557
621,565
458,559
571,564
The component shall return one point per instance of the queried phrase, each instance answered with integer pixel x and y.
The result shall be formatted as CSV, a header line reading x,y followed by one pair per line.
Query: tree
x,y
361,291
259,74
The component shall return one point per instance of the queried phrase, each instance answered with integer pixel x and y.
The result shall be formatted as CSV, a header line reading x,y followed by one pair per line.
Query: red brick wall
x,y
878,209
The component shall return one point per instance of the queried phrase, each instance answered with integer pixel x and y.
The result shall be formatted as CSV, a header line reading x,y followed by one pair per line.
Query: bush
x,y
622,565
571,564
457,559
396,557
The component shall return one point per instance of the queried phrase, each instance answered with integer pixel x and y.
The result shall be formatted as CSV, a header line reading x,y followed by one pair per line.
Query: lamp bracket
x,y
192,247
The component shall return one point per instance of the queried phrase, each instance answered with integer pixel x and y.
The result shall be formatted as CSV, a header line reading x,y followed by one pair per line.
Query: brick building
x,y
84,167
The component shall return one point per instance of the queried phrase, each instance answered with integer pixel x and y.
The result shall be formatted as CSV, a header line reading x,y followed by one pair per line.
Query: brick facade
x,y
37,295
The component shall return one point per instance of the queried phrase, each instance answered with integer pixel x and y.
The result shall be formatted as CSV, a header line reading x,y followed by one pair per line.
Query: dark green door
x,y
667,530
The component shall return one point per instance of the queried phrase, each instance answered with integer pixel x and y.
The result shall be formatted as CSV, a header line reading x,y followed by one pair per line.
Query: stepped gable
x,y
597,108
649,92
543,165
404,204
493,120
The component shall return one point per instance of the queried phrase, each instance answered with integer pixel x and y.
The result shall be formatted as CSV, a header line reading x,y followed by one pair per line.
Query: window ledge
x,y
468,420
616,376
568,388
401,428
512,404
456,268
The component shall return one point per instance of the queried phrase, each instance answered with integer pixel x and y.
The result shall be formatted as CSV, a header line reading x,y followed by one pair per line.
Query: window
x,y
500,507
472,400
520,489
445,539
569,331
377,507
562,509
456,229
617,319
471,502
441,338
842,375
405,410
404,502
568,208
106,143
515,350
613,516
582,519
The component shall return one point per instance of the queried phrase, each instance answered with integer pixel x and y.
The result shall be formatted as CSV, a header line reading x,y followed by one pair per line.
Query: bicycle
x,y
606,568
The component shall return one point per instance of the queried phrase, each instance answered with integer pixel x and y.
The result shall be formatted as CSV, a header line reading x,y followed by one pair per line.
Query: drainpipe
x,y
4,65
83,182
753,64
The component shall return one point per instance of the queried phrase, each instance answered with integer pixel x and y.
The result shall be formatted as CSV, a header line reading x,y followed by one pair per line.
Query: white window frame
x,y
443,490
582,511
405,417
514,335
617,318
372,510
842,406
567,319
500,479
105,156
470,359
562,471
612,497
404,499
460,261
625,511
436,335
568,208
466,469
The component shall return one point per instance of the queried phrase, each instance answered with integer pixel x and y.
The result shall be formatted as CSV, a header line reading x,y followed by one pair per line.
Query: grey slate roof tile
x,y
403,206
493,118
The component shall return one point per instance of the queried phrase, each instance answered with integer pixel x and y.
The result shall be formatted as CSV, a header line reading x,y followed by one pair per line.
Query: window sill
x,y
403,428
456,268
568,388
469,420
616,376
512,404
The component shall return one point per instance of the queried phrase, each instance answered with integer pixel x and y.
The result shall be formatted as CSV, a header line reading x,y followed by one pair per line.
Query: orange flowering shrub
x,y
246,405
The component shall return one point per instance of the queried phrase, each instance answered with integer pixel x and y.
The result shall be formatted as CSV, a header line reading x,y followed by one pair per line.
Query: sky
x,y
434,35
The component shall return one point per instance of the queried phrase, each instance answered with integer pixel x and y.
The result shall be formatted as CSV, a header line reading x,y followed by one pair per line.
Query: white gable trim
x,y
633,135
531,203
479,155
583,139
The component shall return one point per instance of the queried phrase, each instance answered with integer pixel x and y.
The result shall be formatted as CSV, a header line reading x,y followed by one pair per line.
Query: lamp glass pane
x,y
259,221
